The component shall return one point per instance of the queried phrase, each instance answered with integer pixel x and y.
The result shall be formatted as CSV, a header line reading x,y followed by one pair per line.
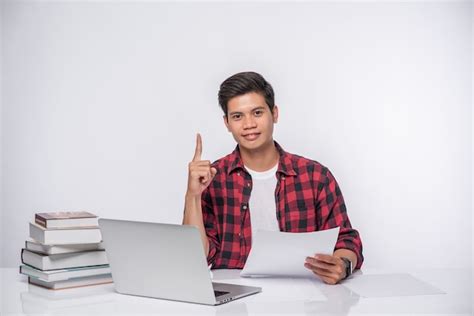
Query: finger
x,y
324,274
203,174
199,174
206,180
314,266
335,269
198,150
208,176
213,172
201,163
326,258
201,169
327,280
319,264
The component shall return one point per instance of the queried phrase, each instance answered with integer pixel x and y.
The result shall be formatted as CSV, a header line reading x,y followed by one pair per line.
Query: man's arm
x,y
200,175
193,216
332,213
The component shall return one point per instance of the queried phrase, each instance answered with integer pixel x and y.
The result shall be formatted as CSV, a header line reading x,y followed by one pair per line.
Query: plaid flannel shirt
x,y
307,198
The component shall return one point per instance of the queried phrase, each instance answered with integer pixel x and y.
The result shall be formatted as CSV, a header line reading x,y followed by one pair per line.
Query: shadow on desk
x,y
82,301
338,301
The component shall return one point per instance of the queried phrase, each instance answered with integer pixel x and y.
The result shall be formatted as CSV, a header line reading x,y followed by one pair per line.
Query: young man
x,y
260,186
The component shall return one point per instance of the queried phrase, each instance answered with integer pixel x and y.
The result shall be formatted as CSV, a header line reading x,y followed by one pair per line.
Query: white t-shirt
x,y
262,203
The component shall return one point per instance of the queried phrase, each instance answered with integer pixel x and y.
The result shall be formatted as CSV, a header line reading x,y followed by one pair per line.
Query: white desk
x,y
279,296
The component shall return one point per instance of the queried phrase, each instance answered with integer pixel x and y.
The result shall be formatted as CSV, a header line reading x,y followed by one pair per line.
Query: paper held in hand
x,y
284,254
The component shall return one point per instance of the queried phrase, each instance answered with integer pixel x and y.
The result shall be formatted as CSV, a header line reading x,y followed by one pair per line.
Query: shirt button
x,y
244,207
283,178
238,173
248,184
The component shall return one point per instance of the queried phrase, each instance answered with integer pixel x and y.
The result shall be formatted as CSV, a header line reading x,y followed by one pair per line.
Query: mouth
x,y
252,136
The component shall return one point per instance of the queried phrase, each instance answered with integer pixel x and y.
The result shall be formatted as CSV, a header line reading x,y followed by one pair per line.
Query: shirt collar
x,y
284,165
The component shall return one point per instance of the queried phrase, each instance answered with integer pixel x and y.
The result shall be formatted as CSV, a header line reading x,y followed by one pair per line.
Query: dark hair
x,y
242,83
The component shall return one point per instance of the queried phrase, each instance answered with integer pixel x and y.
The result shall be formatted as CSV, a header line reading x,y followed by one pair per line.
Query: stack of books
x,y
65,251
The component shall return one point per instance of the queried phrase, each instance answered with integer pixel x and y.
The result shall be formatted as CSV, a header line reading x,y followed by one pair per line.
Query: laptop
x,y
163,261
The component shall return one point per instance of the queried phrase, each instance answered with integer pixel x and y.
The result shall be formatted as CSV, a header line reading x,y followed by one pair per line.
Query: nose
x,y
249,122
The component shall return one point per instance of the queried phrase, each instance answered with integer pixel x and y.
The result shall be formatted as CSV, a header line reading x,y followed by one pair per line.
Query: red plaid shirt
x,y
307,198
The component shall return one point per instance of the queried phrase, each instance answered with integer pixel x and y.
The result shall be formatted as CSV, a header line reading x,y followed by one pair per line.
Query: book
x,y
78,293
55,249
64,274
66,219
72,283
84,235
63,260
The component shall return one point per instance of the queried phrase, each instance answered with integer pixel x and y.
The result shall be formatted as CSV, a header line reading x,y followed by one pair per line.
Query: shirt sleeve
x,y
332,213
210,225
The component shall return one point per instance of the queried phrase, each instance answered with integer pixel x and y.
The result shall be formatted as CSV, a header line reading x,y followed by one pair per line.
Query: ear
x,y
275,114
226,122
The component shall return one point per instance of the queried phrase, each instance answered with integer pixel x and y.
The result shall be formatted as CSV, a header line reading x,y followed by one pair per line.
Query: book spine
x,y
40,220
22,251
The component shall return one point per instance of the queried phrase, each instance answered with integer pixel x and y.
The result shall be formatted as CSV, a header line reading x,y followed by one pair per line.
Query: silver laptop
x,y
163,261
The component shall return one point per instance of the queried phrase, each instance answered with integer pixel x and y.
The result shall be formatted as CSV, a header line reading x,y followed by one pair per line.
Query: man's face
x,y
250,120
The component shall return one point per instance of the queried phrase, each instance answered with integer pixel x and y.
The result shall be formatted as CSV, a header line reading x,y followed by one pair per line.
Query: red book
x,y
66,219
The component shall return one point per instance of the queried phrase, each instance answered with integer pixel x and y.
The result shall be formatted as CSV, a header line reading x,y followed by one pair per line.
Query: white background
x,y
101,103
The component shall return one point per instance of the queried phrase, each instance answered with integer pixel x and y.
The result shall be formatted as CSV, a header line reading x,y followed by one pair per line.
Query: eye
x,y
236,116
258,113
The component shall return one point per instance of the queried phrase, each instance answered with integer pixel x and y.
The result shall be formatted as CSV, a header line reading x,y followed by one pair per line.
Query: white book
x,y
63,260
78,282
46,294
64,274
36,246
65,236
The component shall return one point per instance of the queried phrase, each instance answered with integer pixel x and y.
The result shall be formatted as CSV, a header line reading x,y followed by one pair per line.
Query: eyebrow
x,y
254,109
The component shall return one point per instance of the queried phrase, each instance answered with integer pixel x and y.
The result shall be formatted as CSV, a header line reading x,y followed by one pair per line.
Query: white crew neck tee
x,y
262,203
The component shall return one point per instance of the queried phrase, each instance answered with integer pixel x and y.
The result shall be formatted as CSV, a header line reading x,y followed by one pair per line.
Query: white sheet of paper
x,y
387,285
283,254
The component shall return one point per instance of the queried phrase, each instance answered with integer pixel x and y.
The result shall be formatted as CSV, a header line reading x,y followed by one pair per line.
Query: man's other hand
x,y
330,269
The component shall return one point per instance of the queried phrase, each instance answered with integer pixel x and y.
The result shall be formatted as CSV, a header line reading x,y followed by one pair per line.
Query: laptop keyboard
x,y
220,293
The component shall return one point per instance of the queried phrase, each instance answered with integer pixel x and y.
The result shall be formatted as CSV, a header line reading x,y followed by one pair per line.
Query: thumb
x,y
213,172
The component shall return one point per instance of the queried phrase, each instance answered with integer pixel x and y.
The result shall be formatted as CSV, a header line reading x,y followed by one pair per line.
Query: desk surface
x,y
279,296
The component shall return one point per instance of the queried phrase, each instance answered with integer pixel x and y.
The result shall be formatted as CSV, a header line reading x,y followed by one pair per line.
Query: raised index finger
x,y
198,150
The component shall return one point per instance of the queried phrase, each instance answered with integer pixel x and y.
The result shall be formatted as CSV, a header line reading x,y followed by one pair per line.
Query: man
x,y
260,186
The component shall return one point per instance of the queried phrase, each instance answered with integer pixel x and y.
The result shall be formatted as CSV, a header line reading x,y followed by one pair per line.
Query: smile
x,y
253,136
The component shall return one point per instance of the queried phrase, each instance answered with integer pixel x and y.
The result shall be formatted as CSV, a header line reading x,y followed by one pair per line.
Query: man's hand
x,y
200,176
330,269
200,173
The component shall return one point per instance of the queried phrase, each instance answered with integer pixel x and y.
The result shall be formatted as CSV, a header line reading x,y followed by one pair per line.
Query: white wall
x,y
472,148
1,134
102,102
